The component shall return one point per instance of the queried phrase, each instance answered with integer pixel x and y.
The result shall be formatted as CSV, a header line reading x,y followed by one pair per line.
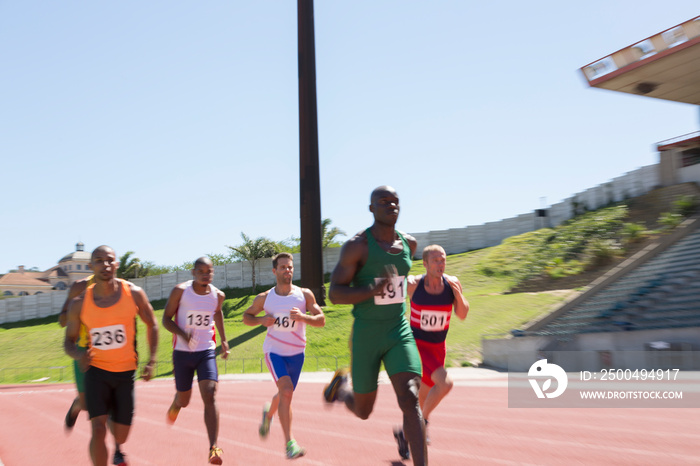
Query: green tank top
x,y
391,304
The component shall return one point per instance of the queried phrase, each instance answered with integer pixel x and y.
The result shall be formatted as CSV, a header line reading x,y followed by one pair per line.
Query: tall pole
x,y
309,185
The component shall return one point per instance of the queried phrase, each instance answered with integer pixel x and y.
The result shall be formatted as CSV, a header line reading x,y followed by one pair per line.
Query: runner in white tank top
x,y
285,336
195,314
192,312
287,309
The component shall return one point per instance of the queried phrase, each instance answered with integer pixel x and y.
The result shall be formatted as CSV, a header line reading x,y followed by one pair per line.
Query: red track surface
x,y
473,426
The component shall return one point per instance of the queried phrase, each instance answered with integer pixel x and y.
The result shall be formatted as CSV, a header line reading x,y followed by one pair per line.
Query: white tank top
x,y
285,337
196,314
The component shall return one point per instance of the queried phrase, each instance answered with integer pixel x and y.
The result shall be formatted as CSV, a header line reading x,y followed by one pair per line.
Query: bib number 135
x,y
394,292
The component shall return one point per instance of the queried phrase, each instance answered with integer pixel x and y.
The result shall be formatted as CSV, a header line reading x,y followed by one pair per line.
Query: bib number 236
x,y
107,338
394,292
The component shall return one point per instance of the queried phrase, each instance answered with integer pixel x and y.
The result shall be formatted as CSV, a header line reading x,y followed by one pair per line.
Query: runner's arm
x,y
149,318
352,255
169,313
75,290
219,321
315,316
461,305
412,284
73,333
250,316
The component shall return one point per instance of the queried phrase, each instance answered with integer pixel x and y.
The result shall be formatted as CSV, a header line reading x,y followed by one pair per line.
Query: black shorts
x,y
110,393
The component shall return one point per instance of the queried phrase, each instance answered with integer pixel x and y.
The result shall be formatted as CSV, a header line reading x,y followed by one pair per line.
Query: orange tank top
x,y
112,330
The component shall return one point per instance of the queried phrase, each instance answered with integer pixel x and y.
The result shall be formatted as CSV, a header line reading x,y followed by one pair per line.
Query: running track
x,y
473,426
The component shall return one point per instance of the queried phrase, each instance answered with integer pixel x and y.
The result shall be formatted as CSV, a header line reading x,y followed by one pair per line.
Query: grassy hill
x,y
506,286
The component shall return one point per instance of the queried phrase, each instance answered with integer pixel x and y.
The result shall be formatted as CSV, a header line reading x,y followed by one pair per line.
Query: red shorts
x,y
432,356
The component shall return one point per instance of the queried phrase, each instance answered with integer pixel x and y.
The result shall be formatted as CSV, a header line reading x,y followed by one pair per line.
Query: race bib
x,y
108,338
433,321
394,292
284,323
198,320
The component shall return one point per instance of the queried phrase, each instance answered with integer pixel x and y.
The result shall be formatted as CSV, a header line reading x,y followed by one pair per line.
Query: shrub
x,y
685,205
602,251
632,232
670,219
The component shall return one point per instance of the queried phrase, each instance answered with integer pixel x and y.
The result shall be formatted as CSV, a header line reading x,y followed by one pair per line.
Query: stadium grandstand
x,y
651,302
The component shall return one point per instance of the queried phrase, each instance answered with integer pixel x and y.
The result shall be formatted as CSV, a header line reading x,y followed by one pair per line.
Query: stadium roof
x,y
665,66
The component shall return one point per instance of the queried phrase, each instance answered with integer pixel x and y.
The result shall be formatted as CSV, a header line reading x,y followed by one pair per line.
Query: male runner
x,y
371,275
287,309
195,306
108,309
433,296
76,289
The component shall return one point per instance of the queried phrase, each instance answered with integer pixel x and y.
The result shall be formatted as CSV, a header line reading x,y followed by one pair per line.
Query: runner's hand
x,y
454,284
296,315
268,320
147,372
225,351
85,361
390,271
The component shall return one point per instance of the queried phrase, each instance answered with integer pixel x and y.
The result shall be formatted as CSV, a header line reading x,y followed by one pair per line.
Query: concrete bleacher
x,y
663,292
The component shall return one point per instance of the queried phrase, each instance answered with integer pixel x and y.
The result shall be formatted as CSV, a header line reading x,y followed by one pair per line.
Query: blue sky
x,y
169,127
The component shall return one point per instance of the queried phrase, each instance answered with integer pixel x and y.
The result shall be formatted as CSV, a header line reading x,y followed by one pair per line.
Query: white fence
x,y
454,240
457,240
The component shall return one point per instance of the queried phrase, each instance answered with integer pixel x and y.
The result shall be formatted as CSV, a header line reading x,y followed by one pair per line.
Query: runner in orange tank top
x,y
108,310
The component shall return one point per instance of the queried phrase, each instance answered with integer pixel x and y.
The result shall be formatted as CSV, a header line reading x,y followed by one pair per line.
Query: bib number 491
x,y
394,292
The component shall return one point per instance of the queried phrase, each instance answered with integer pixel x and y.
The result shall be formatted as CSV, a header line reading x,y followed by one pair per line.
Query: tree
x,y
149,268
291,245
220,259
330,234
252,251
128,266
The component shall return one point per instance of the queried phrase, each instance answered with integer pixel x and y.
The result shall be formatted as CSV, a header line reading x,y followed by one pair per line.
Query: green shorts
x,y
374,342
79,375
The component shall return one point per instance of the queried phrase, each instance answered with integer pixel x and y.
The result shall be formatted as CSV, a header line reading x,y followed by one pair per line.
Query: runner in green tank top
x,y
371,275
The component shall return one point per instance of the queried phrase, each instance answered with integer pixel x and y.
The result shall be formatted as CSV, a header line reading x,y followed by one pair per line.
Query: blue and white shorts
x,y
281,366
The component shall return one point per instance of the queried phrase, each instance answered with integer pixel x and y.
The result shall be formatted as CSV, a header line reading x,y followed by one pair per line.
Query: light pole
x,y
309,184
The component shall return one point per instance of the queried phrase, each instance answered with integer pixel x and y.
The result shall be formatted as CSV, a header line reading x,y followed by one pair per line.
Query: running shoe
x,y
70,417
173,411
294,450
266,421
215,455
402,443
119,459
340,378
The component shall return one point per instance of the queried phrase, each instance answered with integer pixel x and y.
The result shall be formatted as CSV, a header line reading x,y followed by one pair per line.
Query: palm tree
x,y
252,251
329,235
128,266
